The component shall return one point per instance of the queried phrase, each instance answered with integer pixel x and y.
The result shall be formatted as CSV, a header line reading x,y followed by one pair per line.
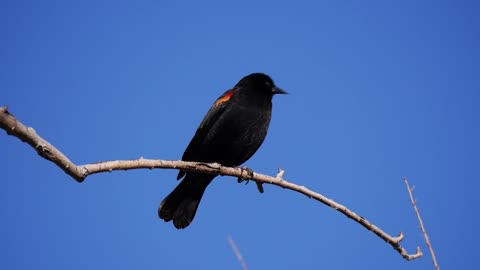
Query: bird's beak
x,y
277,90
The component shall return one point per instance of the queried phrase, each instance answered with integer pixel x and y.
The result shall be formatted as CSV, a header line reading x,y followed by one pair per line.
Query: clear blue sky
x,y
379,91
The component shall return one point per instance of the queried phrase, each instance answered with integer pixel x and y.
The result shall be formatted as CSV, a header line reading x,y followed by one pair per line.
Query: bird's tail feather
x,y
182,203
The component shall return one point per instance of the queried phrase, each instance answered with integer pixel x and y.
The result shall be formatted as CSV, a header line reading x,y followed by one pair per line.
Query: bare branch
x,y
237,252
427,240
27,134
80,172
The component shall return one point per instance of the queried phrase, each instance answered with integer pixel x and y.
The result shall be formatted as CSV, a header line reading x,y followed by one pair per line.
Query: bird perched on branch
x,y
231,132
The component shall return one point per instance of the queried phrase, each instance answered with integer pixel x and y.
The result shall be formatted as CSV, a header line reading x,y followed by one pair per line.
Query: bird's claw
x,y
248,177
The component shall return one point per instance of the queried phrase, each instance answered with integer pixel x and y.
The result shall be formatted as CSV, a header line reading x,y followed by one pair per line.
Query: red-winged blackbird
x,y
231,132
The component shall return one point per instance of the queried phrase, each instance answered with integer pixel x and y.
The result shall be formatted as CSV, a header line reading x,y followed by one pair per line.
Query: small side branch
x,y
237,253
427,240
79,172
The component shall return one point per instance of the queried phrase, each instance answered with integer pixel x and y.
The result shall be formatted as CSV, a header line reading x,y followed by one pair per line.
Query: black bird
x,y
231,132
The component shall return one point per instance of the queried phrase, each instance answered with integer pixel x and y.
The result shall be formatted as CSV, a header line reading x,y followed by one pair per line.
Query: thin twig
x,y
427,240
80,172
237,252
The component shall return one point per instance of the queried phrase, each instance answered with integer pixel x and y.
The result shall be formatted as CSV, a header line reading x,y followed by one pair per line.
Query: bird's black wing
x,y
195,150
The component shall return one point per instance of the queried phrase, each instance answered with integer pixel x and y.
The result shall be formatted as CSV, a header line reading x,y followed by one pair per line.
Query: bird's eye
x,y
268,84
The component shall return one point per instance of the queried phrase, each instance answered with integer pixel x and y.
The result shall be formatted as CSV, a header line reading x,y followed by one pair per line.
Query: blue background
x,y
379,91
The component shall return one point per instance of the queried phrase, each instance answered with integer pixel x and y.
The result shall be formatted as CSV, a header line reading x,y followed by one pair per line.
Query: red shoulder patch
x,y
225,97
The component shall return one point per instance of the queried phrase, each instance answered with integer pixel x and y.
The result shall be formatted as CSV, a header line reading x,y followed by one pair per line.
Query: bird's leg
x,y
248,177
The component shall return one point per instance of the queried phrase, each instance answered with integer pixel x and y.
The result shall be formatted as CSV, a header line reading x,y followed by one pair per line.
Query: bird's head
x,y
260,83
